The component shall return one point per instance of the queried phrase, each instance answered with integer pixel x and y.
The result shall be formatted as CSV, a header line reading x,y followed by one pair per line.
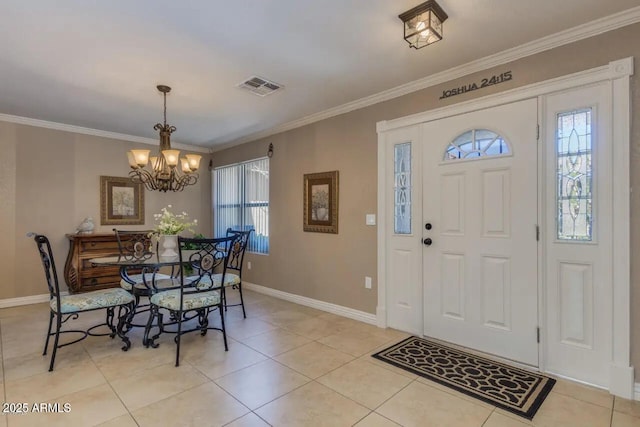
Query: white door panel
x,y
480,272
404,270
578,267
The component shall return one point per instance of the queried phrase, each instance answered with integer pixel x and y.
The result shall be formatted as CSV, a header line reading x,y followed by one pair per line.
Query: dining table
x,y
146,265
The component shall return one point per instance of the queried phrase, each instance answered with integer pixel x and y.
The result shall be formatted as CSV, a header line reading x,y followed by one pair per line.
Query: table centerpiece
x,y
168,226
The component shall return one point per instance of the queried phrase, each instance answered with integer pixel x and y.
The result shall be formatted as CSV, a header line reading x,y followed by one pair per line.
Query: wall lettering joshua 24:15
x,y
493,80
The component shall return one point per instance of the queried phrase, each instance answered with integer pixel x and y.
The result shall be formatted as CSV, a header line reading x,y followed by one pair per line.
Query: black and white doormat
x,y
513,389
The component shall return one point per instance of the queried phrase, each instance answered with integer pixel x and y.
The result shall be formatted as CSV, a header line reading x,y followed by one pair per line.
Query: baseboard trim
x,y
381,314
32,299
636,391
362,316
621,381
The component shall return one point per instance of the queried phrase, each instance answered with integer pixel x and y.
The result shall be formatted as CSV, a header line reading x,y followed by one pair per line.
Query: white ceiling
x,y
95,63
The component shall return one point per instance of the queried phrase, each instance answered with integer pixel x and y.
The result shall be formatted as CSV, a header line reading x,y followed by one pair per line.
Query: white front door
x,y
579,249
479,210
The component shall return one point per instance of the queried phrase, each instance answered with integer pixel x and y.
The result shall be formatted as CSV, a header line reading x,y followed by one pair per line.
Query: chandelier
x,y
163,173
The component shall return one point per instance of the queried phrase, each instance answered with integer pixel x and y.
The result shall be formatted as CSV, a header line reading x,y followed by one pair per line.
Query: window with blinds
x,y
241,201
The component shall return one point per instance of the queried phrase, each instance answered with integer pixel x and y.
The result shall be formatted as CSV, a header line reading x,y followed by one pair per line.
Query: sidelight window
x,y
574,175
402,188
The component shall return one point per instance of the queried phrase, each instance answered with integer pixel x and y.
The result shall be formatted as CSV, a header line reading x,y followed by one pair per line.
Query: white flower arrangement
x,y
170,223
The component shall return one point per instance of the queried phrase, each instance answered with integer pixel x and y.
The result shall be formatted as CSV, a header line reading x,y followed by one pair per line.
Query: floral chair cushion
x,y
148,277
92,300
229,280
192,301
162,283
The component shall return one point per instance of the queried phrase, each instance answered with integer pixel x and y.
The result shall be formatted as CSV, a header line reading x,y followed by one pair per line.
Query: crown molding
x,y
590,29
94,132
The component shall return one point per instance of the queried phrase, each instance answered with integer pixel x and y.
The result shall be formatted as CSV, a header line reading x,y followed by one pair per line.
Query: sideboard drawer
x,y
98,245
95,283
79,273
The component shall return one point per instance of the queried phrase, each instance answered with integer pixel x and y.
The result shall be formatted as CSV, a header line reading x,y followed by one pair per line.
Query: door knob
x,y
427,241
428,226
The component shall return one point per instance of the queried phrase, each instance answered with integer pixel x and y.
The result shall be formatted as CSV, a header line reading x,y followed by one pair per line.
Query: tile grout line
x,y
488,416
613,405
391,397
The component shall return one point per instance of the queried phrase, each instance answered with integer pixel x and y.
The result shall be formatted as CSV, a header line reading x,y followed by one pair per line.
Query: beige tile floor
x,y
287,365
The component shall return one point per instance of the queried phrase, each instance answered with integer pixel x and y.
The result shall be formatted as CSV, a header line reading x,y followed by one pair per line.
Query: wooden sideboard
x,y
79,273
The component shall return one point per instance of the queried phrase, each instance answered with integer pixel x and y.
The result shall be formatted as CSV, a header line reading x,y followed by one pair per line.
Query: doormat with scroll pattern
x,y
513,389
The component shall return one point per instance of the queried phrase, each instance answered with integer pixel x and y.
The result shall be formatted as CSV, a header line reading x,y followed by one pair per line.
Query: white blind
x,y
241,201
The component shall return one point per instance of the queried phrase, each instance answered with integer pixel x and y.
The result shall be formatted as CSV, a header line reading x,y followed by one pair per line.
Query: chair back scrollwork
x,y
134,245
207,257
236,256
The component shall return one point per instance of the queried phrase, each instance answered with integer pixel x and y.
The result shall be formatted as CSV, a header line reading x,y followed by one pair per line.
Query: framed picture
x,y
121,201
321,202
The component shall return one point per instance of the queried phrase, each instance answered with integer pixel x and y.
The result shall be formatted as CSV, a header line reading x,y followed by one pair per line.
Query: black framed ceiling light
x,y
423,24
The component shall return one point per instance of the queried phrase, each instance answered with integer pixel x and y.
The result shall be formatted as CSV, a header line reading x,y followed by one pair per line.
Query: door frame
x,y
621,382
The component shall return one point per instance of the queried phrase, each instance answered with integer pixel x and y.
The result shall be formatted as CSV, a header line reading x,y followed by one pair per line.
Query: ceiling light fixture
x,y
164,175
423,24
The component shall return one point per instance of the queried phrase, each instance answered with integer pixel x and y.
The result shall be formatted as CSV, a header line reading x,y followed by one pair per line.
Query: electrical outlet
x,y
249,265
367,282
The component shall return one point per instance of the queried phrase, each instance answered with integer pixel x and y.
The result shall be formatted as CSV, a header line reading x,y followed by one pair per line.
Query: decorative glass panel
x,y
574,193
402,188
477,143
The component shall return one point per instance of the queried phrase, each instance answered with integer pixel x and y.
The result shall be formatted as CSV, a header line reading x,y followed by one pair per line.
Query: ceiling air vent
x,y
259,86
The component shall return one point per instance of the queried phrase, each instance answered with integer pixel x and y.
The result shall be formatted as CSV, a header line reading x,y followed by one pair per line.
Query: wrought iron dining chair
x,y
136,245
233,276
233,279
198,295
66,307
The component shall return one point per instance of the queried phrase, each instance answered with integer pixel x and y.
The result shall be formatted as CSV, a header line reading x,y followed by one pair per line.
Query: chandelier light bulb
x,y
194,161
132,160
185,165
141,157
172,157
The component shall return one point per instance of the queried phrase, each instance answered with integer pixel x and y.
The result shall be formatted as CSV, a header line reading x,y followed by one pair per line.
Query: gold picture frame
x,y
121,201
321,202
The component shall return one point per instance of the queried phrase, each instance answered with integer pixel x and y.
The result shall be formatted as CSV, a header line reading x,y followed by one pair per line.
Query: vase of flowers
x,y
168,226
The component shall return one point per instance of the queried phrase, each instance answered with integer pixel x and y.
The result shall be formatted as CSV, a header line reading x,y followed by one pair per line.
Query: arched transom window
x,y
477,143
